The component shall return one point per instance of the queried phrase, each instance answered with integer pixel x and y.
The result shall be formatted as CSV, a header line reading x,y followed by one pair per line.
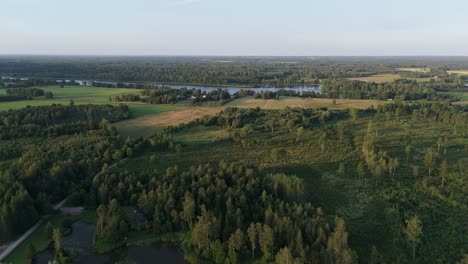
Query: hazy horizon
x,y
240,28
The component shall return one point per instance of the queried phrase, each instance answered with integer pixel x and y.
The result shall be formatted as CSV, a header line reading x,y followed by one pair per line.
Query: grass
x,y
378,78
422,70
201,135
462,96
90,95
283,102
461,72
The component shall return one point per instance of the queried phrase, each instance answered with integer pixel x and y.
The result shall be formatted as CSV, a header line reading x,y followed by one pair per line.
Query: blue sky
x,y
234,27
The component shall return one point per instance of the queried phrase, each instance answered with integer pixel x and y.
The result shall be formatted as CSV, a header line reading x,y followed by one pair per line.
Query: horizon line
x,y
215,55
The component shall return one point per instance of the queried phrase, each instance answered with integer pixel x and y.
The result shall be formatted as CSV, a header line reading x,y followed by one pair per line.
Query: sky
x,y
235,27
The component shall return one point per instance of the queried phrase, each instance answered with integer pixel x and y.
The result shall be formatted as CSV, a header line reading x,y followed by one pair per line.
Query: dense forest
x,y
46,152
349,89
256,71
385,184
237,211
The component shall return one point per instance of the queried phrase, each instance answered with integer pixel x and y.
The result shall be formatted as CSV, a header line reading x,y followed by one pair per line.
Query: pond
x,y
80,240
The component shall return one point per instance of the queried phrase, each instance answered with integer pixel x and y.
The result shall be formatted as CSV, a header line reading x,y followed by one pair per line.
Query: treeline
x,y
232,212
125,98
56,120
49,151
283,92
165,95
11,98
271,120
350,89
25,92
25,82
256,71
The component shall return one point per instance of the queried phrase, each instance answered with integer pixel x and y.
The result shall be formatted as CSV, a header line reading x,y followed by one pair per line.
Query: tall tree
x,y
235,243
188,212
360,171
57,239
413,232
266,237
443,171
284,256
337,246
429,160
252,234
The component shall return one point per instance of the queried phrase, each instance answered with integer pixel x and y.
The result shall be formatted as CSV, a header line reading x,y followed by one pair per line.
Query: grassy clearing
x,y
202,135
90,95
283,102
147,125
461,72
422,70
461,95
378,78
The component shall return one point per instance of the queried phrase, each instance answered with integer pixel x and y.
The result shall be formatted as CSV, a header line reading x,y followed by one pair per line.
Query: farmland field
x,y
90,95
461,72
422,70
146,125
379,78
283,102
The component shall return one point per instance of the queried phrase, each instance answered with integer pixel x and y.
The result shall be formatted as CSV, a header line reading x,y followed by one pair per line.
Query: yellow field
x,y
460,103
378,78
283,102
422,70
147,125
461,72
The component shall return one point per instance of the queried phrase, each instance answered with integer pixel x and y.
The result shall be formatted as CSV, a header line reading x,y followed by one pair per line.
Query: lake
x,y
81,240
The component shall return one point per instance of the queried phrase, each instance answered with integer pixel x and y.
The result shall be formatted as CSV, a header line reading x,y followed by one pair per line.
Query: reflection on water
x,y
232,90
80,241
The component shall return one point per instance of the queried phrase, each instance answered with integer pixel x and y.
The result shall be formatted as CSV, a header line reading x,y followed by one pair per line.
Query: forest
x,y
249,71
45,152
415,187
381,181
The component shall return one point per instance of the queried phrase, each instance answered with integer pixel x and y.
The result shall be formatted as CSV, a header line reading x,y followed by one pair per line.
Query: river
x,y
81,240
208,88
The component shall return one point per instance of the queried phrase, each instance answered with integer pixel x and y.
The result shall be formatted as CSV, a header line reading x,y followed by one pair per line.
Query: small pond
x,y
81,239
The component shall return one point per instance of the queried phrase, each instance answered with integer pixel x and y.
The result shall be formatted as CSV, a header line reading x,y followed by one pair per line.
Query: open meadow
x,y
378,78
284,101
420,70
461,72
147,125
90,95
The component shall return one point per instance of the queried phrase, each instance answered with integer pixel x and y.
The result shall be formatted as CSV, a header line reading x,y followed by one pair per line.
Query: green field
x,y
90,95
